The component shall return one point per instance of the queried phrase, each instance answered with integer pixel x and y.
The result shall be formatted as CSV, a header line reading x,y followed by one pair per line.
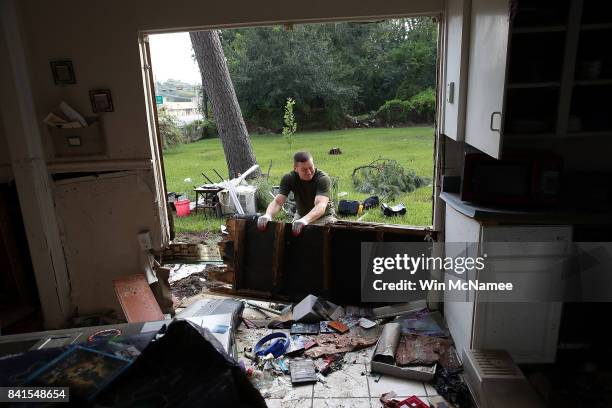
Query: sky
x,y
171,58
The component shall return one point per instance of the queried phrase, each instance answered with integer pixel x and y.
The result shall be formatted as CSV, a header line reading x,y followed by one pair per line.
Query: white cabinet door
x,y
457,49
489,33
527,330
459,314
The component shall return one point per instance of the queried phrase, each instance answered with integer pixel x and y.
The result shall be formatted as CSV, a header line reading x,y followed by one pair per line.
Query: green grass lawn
x,y
412,147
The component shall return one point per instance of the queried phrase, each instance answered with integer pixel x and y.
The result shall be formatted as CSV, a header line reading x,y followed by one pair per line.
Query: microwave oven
x,y
524,179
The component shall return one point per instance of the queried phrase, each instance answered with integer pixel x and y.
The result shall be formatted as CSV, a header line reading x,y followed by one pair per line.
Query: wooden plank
x,y
239,232
137,300
327,264
278,255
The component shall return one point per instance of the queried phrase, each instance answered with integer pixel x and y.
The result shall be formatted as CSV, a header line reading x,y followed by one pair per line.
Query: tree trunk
x,y
218,86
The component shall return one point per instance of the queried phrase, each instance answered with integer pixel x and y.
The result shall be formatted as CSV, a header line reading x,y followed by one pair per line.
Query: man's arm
x,y
273,208
320,205
276,205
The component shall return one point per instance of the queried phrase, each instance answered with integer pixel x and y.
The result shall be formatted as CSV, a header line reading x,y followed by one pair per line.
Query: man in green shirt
x,y
311,189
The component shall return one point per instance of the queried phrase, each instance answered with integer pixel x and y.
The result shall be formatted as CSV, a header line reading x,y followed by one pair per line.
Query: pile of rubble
x,y
315,337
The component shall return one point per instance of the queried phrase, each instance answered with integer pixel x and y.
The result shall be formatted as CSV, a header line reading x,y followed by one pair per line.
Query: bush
x,y
394,112
200,129
422,106
262,195
169,129
407,90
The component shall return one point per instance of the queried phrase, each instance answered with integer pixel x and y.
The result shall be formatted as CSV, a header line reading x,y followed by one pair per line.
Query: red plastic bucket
x,y
182,208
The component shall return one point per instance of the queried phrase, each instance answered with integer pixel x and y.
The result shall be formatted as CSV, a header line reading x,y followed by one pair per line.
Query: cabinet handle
x,y
491,124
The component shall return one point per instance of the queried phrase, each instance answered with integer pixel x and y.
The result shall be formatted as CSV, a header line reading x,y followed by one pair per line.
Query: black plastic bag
x,y
394,211
371,202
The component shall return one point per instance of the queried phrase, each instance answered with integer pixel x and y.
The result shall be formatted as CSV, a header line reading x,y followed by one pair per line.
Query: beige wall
x,y
100,219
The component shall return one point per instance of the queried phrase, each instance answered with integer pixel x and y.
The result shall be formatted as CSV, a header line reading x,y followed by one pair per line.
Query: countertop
x,y
500,215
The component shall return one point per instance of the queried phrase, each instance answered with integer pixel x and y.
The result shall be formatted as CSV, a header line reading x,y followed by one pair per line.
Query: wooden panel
x,y
257,250
303,266
137,300
323,260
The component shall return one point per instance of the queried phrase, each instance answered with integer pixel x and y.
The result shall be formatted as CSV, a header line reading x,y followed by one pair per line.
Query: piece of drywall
x,y
102,42
100,217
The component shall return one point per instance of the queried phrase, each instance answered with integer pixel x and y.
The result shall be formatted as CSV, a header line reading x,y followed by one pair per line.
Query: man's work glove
x,y
298,226
262,222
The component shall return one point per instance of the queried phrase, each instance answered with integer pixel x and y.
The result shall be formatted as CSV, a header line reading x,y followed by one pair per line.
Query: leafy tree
x,y
169,129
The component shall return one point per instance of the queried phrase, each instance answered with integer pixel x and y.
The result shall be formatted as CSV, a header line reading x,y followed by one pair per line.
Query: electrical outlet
x,y
144,240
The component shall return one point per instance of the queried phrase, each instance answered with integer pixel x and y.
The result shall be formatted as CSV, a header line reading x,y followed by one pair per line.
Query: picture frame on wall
x,y
63,72
101,100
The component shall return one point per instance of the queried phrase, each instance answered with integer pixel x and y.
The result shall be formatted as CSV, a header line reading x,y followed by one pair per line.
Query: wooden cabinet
x,y
537,70
527,330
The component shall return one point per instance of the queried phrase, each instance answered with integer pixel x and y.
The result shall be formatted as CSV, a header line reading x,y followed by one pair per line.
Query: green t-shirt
x,y
305,191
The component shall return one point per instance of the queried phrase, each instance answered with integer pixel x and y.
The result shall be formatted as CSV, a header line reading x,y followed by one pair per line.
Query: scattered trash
x,y
450,385
278,344
384,357
304,328
328,364
337,344
366,323
303,372
339,327
324,327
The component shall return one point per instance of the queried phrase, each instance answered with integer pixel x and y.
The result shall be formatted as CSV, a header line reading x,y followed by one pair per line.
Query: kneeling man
x,y
311,189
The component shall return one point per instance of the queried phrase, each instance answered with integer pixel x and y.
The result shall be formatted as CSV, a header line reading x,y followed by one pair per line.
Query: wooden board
x,y
137,300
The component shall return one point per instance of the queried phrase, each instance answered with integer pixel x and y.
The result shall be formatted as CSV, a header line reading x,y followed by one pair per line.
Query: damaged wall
x,y
96,212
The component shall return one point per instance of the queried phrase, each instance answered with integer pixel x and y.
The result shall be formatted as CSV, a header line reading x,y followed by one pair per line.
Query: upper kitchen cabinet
x,y
521,64
456,46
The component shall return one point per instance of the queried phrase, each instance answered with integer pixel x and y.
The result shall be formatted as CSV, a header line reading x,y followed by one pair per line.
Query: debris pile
x,y
314,338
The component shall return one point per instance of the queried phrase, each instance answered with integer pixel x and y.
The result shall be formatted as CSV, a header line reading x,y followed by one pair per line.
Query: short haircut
x,y
301,157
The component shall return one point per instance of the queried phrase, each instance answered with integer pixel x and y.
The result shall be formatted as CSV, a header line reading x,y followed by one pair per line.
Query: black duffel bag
x,y
346,207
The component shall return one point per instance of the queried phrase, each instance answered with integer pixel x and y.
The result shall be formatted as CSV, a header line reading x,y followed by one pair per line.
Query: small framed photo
x,y
63,72
101,100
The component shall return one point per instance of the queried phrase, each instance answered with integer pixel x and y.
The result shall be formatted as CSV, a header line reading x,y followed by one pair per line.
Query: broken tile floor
x,y
350,386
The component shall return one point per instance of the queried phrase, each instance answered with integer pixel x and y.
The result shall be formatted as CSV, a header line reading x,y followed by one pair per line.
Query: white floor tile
x,y
341,403
280,403
348,382
400,386
431,391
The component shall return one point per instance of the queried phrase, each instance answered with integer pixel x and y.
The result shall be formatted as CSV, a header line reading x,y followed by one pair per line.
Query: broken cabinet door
x,y
489,36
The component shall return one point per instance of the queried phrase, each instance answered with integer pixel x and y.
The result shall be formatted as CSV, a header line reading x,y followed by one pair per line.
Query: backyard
x,y
412,147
